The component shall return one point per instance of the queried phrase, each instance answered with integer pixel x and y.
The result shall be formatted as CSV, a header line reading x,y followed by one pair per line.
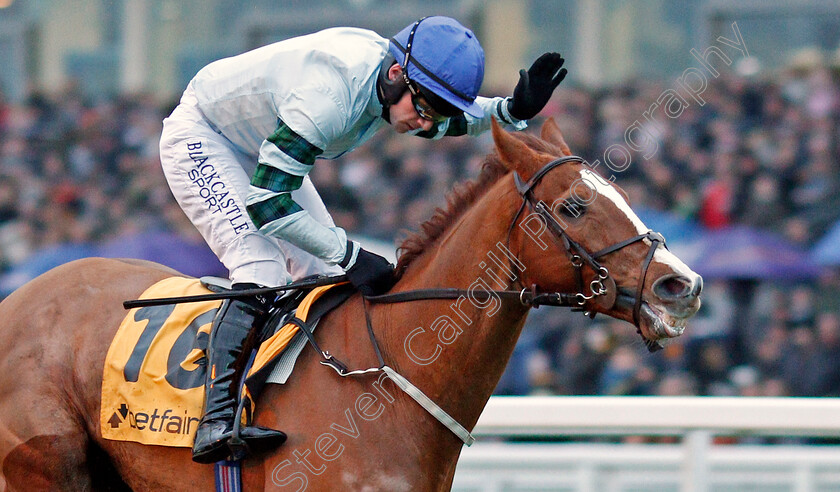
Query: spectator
x,y
761,152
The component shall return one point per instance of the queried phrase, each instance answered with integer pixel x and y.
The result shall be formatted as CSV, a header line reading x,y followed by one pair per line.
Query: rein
x,y
530,298
603,290
602,286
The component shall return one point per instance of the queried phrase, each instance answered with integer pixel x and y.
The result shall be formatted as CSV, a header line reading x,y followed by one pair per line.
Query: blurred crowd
x,y
760,152
74,170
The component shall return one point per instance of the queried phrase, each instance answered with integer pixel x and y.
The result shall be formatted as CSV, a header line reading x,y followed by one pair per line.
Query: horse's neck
x,y
481,334
410,444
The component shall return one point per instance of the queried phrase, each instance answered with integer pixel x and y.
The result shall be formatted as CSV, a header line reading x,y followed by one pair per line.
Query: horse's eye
x,y
572,209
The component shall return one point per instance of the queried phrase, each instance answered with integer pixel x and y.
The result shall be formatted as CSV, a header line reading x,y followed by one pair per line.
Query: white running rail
x,y
693,464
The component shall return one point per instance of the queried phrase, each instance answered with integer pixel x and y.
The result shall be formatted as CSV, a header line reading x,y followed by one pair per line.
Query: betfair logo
x,y
157,421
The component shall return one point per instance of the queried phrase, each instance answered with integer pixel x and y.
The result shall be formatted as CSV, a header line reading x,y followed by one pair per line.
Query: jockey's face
x,y
404,117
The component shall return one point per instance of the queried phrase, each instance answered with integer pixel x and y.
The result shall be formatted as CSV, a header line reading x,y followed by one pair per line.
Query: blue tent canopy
x,y
192,258
827,250
41,261
741,252
675,228
189,257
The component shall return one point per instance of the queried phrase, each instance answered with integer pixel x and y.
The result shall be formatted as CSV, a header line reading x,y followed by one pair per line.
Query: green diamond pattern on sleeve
x,y
293,145
271,178
273,208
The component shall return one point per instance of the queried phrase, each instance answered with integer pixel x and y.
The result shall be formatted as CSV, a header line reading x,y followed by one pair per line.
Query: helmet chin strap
x,y
389,91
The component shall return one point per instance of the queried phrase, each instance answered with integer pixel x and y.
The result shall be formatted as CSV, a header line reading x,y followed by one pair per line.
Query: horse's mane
x,y
459,199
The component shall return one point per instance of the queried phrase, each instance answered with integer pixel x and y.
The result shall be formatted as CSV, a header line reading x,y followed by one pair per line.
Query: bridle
x,y
602,287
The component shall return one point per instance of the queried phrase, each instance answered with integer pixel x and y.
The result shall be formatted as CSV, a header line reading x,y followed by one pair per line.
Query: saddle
x,y
153,378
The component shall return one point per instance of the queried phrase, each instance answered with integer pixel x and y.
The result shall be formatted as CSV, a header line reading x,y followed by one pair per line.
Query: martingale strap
x,y
401,381
578,255
430,406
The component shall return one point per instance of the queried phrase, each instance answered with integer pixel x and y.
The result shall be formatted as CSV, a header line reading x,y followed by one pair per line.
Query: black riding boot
x,y
227,336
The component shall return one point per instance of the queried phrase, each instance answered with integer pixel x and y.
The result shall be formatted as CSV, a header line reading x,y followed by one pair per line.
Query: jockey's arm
x,y
285,158
530,96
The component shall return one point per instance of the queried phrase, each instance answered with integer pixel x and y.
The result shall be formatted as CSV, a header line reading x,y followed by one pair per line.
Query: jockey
x,y
237,150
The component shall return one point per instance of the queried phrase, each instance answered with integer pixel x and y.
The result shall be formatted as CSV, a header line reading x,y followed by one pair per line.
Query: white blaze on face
x,y
662,255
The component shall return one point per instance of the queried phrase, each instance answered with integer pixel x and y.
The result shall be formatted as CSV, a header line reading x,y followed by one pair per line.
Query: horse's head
x,y
575,233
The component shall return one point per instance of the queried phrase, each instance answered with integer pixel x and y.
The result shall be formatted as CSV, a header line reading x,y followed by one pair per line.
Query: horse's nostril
x,y
672,286
698,286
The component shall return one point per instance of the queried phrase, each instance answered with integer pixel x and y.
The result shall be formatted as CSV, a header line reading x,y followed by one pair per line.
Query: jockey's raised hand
x,y
281,108
370,273
536,86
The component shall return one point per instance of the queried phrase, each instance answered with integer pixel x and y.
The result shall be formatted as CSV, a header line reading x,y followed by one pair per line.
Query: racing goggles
x,y
423,108
421,105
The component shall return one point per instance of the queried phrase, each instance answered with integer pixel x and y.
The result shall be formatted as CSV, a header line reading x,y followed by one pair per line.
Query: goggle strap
x,y
407,51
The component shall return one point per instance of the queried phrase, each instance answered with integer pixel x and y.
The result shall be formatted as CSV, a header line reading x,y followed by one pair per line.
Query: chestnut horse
x,y
353,433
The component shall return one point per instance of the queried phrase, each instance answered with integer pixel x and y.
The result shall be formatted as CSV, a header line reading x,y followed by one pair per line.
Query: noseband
x,y
603,287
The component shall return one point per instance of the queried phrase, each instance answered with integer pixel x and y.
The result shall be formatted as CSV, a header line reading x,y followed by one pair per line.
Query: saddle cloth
x,y
153,380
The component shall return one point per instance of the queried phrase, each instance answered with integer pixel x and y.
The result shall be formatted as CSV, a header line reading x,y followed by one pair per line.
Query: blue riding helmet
x,y
444,57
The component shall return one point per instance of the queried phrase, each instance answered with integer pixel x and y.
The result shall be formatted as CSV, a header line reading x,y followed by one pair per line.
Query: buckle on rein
x,y
602,289
597,289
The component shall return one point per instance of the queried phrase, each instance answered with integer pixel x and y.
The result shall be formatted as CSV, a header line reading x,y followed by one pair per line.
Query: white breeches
x,y
208,177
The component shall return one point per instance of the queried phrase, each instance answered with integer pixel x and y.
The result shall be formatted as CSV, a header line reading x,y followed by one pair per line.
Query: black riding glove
x,y
370,273
536,86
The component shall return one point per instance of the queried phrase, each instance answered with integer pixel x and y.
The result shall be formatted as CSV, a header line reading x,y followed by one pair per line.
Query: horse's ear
x,y
551,133
514,153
